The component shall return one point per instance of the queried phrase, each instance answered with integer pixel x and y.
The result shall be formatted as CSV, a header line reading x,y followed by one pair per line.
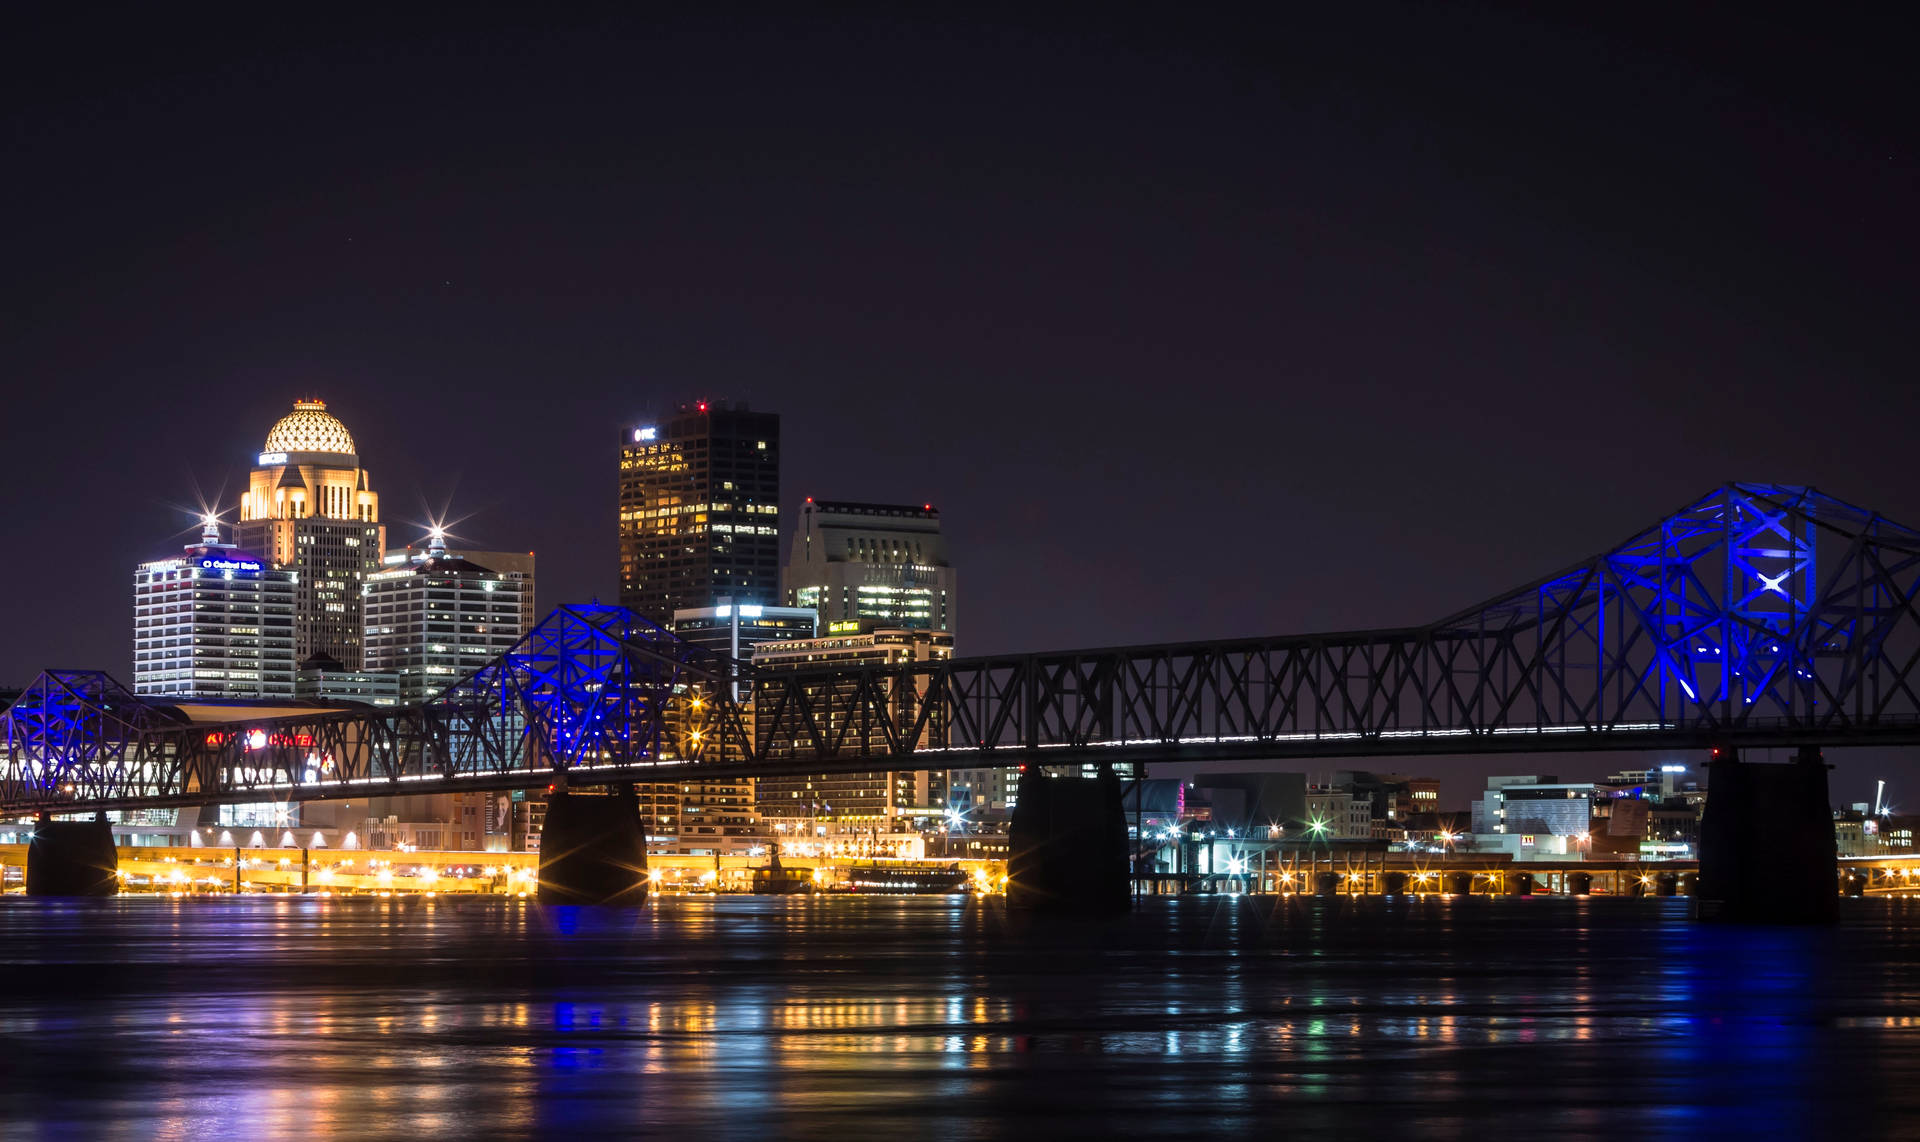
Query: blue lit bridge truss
x,y
1758,615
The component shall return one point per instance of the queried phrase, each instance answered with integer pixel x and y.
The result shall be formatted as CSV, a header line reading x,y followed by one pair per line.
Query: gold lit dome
x,y
309,428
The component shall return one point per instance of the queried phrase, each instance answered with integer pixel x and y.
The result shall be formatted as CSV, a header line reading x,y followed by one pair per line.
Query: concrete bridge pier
x,y
1067,845
72,858
593,849
1767,853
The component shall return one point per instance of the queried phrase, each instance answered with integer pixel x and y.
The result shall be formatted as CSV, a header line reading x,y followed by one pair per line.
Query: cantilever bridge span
x,y
1757,615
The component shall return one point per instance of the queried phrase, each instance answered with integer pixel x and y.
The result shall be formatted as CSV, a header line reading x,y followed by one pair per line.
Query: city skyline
x,y
1386,354
1460,774
1345,422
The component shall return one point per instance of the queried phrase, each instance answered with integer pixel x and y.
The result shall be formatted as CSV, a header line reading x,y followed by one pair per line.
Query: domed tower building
x,y
310,509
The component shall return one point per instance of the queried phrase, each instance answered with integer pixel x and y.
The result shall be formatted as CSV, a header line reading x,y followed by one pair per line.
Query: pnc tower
x,y
310,510
700,510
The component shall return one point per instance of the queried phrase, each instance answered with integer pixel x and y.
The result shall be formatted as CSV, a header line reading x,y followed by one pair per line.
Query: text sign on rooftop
x,y
229,565
272,458
646,434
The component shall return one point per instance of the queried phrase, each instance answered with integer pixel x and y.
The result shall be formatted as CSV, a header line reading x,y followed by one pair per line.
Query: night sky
x,y
1232,326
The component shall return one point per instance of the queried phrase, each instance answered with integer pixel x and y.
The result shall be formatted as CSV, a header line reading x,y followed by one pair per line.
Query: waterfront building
x,y
310,509
438,621
1489,809
1393,797
1537,816
213,622
867,566
858,810
1335,814
983,799
1267,805
700,510
1648,812
1549,807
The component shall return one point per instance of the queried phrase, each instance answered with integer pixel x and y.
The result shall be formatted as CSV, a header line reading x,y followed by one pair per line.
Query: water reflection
x,y
264,1017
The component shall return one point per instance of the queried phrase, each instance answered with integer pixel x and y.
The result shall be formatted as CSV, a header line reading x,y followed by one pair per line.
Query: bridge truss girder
x,y
1757,616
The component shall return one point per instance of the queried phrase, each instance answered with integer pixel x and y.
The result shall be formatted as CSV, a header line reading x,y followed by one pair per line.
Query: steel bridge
x,y
1757,616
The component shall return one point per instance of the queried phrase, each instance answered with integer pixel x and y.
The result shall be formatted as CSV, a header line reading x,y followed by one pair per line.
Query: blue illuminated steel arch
x,y
592,688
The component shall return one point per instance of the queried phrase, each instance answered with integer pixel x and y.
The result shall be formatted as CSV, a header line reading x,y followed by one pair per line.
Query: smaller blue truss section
x,y
592,684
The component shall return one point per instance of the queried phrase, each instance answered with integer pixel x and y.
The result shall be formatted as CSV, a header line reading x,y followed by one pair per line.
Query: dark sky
x,y
1229,325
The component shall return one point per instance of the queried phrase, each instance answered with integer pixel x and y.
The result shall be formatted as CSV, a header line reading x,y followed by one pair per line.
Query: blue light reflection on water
x,y
776,1017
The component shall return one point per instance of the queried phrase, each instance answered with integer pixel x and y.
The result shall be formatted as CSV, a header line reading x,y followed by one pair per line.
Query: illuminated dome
x,y
309,428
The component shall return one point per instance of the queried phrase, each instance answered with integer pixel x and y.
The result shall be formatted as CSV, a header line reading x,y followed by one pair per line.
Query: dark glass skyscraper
x,y
700,510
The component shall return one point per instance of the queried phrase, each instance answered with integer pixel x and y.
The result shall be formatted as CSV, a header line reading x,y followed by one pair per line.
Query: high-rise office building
x,y
700,510
699,523
845,808
438,621
517,565
865,566
323,679
309,509
213,622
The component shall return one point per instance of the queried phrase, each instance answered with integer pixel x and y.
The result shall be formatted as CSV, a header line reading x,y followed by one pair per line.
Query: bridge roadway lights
x,y
1067,845
593,849
1767,852
73,858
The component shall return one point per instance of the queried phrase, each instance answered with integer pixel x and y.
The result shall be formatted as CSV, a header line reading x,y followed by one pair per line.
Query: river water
x,y
877,1017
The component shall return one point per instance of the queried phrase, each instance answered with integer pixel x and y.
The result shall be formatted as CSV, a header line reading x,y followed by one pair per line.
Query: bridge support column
x,y
1767,852
1579,883
73,858
593,850
1067,844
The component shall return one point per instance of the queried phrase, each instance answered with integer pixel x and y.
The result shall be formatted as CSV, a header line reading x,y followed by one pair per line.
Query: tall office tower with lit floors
x,y
439,620
213,622
881,565
699,522
310,509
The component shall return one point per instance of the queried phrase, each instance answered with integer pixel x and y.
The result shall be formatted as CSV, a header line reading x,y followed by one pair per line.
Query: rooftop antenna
x,y
1879,788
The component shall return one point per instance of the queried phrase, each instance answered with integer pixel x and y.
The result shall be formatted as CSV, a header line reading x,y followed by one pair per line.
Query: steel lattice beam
x,y
1757,615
